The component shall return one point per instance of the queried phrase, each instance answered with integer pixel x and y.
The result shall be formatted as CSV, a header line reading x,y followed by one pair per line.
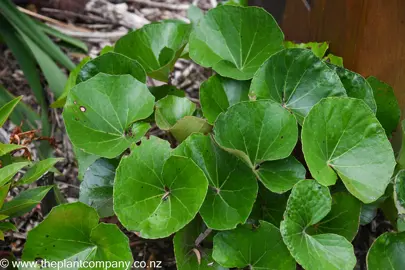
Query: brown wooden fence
x,y
368,34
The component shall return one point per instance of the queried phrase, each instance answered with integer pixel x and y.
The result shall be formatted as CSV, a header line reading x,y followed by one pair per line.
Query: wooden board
x,y
368,34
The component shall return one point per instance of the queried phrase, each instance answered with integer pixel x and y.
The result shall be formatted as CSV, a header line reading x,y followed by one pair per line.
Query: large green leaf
x,y
388,111
188,255
71,232
218,93
155,194
114,64
189,125
281,175
356,86
342,136
7,109
232,184
71,82
387,252
100,112
7,172
257,131
235,41
297,79
258,248
37,170
156,46
344,217
24,202
96,190
170,109
308,204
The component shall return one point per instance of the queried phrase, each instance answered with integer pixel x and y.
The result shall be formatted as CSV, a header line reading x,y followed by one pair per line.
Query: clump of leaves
x,y
12,164
290,151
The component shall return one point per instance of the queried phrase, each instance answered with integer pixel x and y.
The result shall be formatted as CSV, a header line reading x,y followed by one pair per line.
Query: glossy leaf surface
x,y
235,41
100,112
342,137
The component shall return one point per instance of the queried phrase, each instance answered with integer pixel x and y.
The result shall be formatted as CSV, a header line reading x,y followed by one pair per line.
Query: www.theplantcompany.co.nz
x,y
65,264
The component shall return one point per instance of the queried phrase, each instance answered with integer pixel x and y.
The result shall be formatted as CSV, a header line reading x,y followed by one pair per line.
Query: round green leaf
x,y
399,191
96,190
156,46
99,113
258,248
344,217
218,93
356,86
189,125
186,251
71,231
281,175
388,111
297,79
343,136
307,205
387,252
257,131
232,184
155,194
235,41
170,109
113,64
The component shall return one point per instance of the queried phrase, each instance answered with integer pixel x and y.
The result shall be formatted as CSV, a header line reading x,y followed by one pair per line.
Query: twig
x,y
52,21
92,35
84,17
201,237
161,4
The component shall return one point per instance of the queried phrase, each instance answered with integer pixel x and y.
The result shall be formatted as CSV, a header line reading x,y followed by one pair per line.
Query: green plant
x,y
10,166
290,152
30,45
